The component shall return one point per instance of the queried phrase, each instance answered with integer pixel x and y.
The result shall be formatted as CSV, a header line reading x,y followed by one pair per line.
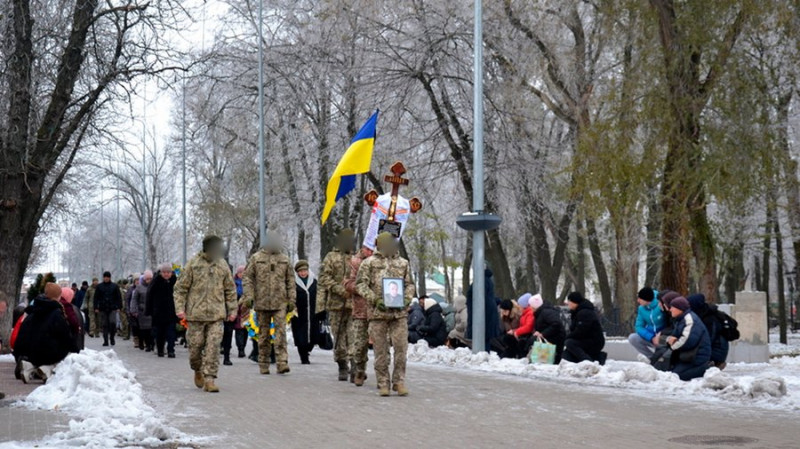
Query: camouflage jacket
x,y
205,290
335,269
88,300
268,282
359,303
369,284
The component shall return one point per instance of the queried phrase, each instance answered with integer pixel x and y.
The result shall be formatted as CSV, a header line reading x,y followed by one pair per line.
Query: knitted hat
x,y
524,300
52,291
301,265
647,294
68,294
680,303
506,304
536,301
106,274
669,297
429,302
575,297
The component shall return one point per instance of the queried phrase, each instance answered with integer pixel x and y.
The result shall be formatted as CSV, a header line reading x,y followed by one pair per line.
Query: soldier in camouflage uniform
x,y
205,295
387,326
268,283
88,306
359,344
338,302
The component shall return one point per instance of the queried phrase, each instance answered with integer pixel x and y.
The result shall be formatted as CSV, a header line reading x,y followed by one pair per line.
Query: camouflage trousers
x,y
124,327
265,343
341,328
204,338
359,343
96,327
389,333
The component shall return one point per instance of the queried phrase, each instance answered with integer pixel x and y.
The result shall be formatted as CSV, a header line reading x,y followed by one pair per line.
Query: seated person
x,y
649,323
415,317
585,340
708,315
44,337
547,325
690,343
433,329
517,321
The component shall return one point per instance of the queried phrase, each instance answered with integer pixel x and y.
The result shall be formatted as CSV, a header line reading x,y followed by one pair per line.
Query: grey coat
x,y
138,303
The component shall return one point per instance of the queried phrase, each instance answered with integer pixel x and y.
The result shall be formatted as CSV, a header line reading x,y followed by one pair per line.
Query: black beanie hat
x,y
107,274
575,297
647,294
506,304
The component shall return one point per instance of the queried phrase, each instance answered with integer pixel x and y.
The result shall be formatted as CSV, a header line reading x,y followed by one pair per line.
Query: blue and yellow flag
x,y
356,160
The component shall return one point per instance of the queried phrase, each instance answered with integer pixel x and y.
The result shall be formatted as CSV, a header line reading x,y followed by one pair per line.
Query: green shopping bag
x,y
542,352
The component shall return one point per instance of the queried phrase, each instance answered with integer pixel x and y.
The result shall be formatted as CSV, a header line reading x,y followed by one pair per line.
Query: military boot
x,y
353,371
198,379
343,370
283,368
383,390
360,378
263,368
401,389
209,386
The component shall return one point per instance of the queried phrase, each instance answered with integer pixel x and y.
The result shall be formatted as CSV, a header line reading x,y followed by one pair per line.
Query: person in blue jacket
x,y
650,321
690,342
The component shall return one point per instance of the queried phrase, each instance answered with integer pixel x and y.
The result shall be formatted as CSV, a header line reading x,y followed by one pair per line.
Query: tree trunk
x,y
626,269
580,258
600,269
779,279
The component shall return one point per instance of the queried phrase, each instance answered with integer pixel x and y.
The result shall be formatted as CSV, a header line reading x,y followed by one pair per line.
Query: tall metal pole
x,y
183,169
102,230
262,226
118,268
144,196
478,294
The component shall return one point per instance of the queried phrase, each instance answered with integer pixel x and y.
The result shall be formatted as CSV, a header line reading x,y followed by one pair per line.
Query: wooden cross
x,y
397,180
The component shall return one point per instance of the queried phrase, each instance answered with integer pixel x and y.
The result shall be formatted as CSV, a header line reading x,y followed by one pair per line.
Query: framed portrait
x,y
393,293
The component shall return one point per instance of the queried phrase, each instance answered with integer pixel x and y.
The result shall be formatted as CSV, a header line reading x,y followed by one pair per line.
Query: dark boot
x,y
343,370
227,361
254,352
241,354
353,372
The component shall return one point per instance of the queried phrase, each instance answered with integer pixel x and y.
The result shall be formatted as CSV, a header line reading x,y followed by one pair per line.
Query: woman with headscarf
x,y
304,324
161,309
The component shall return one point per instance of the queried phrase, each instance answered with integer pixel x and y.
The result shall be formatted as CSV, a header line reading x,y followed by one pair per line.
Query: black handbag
x,y
325,338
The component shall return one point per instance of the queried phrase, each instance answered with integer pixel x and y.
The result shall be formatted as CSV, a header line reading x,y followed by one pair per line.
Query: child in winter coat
x,y
690,343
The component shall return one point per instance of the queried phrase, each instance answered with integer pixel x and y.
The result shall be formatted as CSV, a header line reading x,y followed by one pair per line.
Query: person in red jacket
x,y
525,328
514,342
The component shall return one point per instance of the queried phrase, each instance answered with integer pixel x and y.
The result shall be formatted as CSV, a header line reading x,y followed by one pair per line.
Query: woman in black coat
x,y
160,305
547,325
433,329
305,327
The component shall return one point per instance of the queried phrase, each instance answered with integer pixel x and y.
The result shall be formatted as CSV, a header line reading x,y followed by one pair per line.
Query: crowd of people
x,y
362,298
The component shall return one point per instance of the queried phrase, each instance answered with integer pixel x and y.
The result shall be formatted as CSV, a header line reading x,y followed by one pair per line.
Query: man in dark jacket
x,y
585,340
547,325
433,329
107,300
44,337
690,343
490,309
708,315
415,317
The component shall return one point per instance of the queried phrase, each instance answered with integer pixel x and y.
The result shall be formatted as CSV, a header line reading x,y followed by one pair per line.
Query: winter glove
x,y
321,316
290,307
379,304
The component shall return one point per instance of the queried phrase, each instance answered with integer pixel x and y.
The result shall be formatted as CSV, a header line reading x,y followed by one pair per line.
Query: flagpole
x,y
262,225
183,169
478,293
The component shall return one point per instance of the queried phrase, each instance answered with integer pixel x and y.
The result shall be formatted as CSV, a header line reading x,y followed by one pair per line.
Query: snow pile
x,y
773,385
96,388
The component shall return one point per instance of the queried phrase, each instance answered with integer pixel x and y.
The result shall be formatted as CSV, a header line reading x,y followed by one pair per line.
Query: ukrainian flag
x,y
356,160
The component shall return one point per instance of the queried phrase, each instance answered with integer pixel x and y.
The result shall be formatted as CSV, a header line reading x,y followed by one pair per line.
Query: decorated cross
x,y
396,179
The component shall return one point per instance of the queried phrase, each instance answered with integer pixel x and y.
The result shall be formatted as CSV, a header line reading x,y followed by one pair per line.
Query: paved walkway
x,y
447,408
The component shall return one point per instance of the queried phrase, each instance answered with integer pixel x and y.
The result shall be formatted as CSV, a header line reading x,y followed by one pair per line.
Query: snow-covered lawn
x,y
792,346
773,385
107,401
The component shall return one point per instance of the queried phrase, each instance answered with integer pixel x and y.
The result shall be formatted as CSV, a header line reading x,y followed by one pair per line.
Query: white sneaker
x,y
643,358
27,371
45,371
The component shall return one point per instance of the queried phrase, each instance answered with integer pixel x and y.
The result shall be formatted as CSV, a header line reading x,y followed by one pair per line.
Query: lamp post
x,y
183,170
262,225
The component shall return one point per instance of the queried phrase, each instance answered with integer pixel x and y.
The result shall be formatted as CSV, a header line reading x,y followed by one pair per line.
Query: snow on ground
x,y
775,385
792,346
7,358
96,387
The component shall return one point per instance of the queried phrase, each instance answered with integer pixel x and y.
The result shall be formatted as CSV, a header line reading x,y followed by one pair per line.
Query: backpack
x,y
729,328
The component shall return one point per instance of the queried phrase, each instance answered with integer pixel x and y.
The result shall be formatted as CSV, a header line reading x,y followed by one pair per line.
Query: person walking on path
x,y
360,342
205,295
305,327
388,327
339,302
107,301
139,310
269,286
161,308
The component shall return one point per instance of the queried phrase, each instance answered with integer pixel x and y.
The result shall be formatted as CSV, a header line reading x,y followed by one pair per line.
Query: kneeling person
x,y
387,324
